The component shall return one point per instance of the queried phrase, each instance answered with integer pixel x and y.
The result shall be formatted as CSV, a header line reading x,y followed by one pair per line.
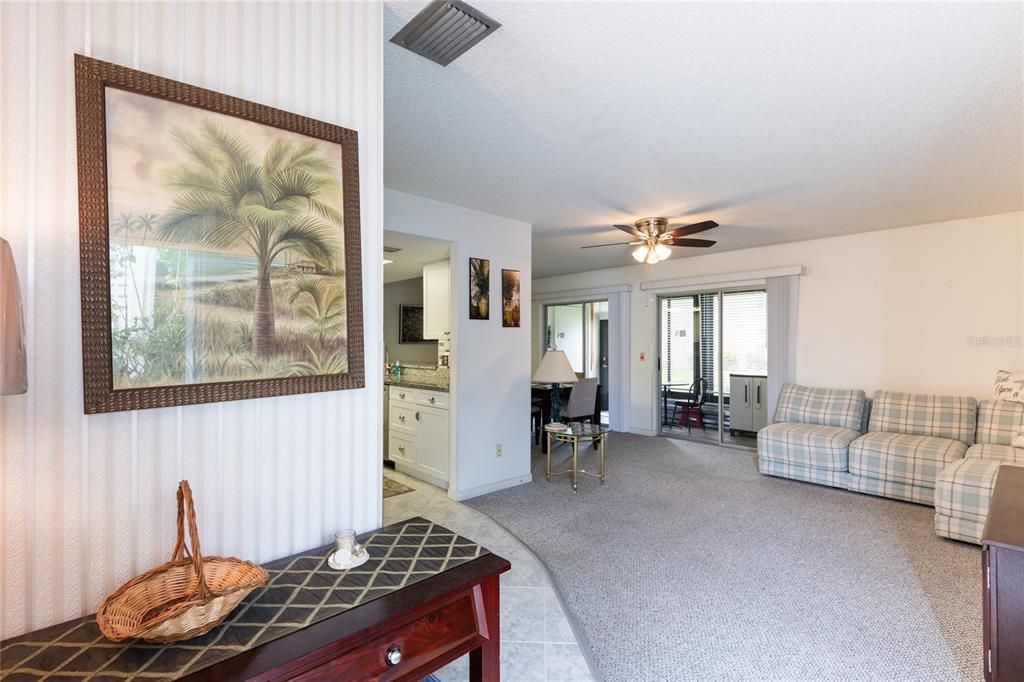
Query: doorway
x,y
417,333
581,331
712,366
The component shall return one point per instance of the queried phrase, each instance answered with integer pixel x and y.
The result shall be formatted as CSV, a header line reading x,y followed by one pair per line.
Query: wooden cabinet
x,y
400,621
436,300
1003,578
419,436
748,402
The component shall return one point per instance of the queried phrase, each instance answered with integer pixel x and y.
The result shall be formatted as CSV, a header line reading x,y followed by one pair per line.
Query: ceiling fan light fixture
x,y
640,253
662,251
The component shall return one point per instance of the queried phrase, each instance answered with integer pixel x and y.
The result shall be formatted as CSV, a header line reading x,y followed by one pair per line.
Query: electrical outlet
x,y
497,450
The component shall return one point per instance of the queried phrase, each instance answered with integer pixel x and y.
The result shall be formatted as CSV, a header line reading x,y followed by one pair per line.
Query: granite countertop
x,y
415,384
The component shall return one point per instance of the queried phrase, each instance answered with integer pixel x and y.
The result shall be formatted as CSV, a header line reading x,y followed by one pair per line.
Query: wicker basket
x,y
182,598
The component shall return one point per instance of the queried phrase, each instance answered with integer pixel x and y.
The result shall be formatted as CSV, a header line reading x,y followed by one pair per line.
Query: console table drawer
x,y
409,647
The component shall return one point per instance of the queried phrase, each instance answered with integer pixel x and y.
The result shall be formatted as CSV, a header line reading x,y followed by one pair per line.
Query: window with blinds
x,y
689,337
745,334
677,344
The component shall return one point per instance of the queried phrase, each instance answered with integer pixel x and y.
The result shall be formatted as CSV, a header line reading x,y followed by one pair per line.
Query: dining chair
x,y
692,406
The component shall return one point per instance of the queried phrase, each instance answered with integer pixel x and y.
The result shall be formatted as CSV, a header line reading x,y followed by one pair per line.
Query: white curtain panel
x,y
783,294
618,360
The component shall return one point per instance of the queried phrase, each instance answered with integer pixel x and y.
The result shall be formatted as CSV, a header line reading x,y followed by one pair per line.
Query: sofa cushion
x,y
1000,453
999,421
801,472
903,458
824,406
963,489
813,445
924,415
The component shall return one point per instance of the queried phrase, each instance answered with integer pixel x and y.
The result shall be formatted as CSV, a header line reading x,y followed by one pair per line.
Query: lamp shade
x,y
13,372
554,368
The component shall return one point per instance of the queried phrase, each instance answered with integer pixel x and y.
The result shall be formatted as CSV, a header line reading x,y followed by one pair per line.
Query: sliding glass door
x,y
713,366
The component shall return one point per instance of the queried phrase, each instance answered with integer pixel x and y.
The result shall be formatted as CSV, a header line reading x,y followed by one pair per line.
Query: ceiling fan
x,y
655,236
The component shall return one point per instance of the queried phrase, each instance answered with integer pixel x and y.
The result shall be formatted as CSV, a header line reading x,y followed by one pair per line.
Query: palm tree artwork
x,y
227,247
226,197
479,288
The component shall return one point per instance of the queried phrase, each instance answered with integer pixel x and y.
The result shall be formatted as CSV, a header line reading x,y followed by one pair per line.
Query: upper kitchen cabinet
x,y
436,300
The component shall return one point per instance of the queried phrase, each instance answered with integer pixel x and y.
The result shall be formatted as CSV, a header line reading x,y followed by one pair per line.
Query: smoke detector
x,y
444,30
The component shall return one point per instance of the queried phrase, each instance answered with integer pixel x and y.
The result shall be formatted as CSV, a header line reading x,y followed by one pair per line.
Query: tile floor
x,y
537,641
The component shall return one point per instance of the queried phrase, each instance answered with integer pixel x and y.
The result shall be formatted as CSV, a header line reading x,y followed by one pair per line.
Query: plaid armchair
x,y
963,489
811,434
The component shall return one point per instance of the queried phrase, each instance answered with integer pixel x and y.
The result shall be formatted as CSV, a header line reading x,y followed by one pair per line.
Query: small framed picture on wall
x,y
510,312
479,288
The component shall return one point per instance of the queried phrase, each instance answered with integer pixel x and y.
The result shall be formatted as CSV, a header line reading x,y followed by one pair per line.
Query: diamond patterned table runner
x,y
302,590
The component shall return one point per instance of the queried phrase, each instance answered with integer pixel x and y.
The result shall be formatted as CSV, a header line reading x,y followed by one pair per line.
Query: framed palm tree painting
x,y
220,245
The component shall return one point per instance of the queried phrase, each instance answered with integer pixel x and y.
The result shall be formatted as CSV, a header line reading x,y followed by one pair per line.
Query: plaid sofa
x,y
809,439
963,489
911,438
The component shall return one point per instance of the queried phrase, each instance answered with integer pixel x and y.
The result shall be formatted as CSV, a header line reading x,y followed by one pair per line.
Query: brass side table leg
x,y
603,437
547,471
575,463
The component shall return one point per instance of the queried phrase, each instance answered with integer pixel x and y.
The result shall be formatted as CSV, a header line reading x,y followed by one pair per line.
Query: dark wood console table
x,y
1003,577
426,597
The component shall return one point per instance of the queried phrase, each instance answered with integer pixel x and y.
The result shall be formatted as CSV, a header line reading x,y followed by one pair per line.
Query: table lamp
x,y
555,369
13,373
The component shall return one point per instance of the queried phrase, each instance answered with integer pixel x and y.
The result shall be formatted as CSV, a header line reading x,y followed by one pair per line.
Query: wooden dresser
x,y
426,597
1003,578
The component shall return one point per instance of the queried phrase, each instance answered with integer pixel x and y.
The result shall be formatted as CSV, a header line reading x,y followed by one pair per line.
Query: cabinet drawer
x,y
399,394
401,449
432,399
451,626
402,418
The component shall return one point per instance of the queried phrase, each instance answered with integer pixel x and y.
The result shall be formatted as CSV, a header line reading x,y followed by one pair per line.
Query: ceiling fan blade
x,y
630,229
691,242
598,246
684,230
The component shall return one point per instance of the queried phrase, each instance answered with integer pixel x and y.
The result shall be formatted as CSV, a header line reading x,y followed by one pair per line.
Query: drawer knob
x,y
401,448
401,417
401,395
433,399
393,655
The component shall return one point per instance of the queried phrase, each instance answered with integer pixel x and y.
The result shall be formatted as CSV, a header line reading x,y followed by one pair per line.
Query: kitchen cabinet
x,y
748,402
436,300
418,433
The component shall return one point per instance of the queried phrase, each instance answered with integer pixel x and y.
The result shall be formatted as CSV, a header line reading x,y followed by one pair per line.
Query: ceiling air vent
x,y
392,249
444,30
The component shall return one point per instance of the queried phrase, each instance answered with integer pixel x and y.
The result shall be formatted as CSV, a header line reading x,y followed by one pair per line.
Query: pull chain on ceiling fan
x,y
654,237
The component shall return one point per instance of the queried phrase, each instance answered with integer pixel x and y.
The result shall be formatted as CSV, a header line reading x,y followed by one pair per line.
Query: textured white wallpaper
x,y
87,502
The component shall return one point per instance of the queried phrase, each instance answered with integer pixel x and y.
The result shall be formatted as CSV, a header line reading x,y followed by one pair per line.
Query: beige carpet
x,y
690,565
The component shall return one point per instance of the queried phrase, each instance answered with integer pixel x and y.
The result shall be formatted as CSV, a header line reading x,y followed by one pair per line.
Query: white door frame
x,y
618,298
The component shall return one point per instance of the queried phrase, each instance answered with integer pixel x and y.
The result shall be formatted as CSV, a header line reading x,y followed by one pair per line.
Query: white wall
x,y
566,322
88,502
490,380
396,294
899,309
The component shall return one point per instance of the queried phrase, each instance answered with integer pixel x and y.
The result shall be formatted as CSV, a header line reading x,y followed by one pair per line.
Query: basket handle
x,y
187,512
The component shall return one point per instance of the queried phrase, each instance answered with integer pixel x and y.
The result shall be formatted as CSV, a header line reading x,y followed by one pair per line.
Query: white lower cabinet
x,y
418,434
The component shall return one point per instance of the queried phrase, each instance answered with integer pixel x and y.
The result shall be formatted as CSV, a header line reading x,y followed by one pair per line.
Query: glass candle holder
x,y
345,542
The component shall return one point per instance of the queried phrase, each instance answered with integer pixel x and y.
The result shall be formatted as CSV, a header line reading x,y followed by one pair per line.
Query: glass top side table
x,y
574,433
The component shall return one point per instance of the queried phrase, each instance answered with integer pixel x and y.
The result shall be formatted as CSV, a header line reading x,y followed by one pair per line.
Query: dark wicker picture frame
x,y
92,77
